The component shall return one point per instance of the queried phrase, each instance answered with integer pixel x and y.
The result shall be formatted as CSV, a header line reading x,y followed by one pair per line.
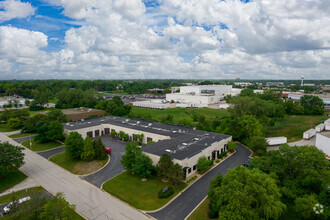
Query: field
x,y
293,126
37,146
11,179
77,167
179,113
141,195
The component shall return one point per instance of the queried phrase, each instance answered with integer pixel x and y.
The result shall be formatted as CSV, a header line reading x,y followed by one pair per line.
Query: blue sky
x,y
164,39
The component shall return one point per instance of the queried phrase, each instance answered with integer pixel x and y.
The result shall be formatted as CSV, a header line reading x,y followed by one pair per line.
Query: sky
x,y
164,39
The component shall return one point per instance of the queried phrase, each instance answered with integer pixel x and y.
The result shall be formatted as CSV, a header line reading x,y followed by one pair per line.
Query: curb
x,y
195,208
98,169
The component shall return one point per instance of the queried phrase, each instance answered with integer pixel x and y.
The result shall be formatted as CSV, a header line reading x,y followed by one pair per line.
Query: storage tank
x,y
320,127
309,134
276,140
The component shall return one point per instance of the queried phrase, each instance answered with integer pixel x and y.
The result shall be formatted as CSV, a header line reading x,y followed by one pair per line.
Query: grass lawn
x,y
293,126
179,113
77,166
5,128
42,111
20,194
21,135
37,146
201,213
11,179
141,195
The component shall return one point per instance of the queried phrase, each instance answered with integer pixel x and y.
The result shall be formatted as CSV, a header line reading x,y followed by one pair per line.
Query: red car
x,y
108,150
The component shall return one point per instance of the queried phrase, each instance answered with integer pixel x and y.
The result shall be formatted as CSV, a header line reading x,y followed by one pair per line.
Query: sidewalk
x,y
27,183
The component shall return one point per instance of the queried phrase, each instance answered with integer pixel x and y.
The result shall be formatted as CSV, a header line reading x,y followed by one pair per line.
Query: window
x,y
149,139
189,170
194,167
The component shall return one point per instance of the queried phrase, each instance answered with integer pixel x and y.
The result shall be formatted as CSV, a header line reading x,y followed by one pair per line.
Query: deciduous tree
x,y
10,156
74,145
132,151
89,152
143,166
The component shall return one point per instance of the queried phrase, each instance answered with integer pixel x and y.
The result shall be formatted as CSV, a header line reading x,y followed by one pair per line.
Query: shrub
x,y
14,123
217,161
222,155
203,164
113,133
166,194
150,142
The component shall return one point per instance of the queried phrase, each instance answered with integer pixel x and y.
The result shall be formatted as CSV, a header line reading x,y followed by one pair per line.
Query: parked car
x,y
108,150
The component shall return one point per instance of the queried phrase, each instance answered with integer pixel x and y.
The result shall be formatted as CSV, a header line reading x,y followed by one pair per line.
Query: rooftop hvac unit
x,y
179,130
184,144
150,124
127,120
205,144
168,151
138,122
71,125
89,122
82,119
67,124
102,120
194,128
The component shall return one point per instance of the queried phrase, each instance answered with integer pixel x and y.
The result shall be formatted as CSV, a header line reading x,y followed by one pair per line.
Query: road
x,y
189,199
91,202
114,167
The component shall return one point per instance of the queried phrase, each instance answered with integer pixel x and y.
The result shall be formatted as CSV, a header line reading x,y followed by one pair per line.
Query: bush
x,y
150,142
222,155
113,133
232,146
166,194
217,161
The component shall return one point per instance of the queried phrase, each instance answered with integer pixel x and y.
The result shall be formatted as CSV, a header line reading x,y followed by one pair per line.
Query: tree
x,y
74,145
56,115
203,164
30,125
304,206
232,146
258,145
132,151
143,166
176,174
164,166
313,105
89,152
99,150
10,156
55,131
300,170
246,194
14,123
123,136
42,130
56,208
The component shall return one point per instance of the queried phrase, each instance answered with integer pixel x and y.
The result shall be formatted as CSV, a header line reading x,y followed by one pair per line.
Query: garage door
x,y
90,134
97,133
106,131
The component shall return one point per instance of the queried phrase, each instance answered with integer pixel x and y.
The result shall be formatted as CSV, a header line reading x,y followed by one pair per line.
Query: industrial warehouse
x,y
185,144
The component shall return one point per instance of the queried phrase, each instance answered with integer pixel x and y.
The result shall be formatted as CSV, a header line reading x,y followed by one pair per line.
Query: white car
x,y
6,209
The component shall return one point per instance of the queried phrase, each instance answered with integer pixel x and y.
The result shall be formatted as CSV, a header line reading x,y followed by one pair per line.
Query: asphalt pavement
x,y
180,208
47,154
20,140
114,167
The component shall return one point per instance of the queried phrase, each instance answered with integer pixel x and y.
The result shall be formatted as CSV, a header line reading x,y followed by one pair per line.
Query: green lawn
x,y
42,111
201,213
77,166
21,135
5,128
11,179
20,194
293,126
179,113
37,146
141,195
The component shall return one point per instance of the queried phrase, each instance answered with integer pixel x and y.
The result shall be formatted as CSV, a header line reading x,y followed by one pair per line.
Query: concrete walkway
x,y
27,183
90,201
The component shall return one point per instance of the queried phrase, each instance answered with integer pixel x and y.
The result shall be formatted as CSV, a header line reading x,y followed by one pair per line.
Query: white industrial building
x,y
13,100
322,142
184,144
154,104
206,94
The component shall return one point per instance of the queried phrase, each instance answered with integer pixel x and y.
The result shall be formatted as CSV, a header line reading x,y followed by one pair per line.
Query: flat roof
x,y
185,141
73,111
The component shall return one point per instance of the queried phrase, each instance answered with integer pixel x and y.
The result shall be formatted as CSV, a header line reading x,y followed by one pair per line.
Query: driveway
x,y
114,167
20,140
189,199
91,202
47,154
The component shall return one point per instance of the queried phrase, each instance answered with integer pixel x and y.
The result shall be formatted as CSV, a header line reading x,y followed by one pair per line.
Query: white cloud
x,y
179,39
10,9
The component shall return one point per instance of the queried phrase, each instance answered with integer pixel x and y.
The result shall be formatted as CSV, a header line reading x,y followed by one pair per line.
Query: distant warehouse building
x,y
206,94
184,144
74,114
296,98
